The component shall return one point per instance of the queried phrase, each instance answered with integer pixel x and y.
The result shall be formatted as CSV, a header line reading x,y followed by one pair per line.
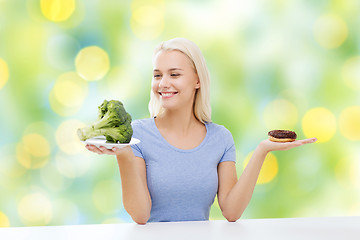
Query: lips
x,y
167,94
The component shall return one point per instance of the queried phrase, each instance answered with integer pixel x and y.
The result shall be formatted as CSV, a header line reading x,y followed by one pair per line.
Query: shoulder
x,y
221,133
141,126
139,123
218,129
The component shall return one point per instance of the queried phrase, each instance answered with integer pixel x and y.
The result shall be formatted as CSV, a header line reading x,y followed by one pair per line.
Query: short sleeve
x,y
230,150
137,133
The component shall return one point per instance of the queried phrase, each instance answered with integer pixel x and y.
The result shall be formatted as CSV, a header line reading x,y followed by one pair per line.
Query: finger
x,y
303,141
294,144
309,140
89,147
289,145
94,149
106,151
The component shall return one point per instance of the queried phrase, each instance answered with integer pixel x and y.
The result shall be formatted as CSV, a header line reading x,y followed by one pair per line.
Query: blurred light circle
x,y
120,82
59,108
65,101
347,172
107,196
67,139
306,166
144,14
29,160
24,157
61,50
320,123
302,73
351,73
36,145
269,168
4,73
353,209
41,128
330,31
35,209
92,63
349,122
39,133
33,151
57,10
72,166
53,180
280,114
65,212
295,96
9,166
147,21
70,90
4,220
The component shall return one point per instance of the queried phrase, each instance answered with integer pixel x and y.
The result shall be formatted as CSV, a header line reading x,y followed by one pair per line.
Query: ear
x,y
197,86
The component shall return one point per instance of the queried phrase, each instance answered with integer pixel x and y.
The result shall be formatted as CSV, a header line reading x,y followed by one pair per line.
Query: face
x,y
174,80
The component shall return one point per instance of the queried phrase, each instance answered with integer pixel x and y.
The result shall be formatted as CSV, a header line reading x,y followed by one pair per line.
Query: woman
x,y
183,159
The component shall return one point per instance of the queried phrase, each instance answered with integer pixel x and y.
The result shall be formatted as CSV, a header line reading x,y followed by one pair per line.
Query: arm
x,y
136,196
234,195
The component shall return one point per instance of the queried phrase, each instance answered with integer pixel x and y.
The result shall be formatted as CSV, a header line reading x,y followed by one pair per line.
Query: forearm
x,y
136,197
239,196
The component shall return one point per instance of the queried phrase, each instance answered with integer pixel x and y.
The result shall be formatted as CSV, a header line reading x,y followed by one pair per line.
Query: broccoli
x,y
113,122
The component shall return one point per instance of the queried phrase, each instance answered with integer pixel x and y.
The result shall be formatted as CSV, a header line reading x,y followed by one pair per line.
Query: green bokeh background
x,y
257,52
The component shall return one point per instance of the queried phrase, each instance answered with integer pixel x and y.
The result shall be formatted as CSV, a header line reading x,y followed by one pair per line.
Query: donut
x,y
282,136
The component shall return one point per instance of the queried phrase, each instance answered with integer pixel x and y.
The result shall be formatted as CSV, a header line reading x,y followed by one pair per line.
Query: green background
x,y
273,64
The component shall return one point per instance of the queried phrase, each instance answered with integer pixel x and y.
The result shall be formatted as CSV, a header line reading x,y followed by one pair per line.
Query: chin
x,y
168,106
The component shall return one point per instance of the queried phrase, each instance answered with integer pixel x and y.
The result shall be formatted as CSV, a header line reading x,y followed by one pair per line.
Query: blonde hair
x,y
202,108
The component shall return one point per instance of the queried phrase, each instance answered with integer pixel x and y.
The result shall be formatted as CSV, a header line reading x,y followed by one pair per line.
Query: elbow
x,y
138,215
141,218
141,221
231,216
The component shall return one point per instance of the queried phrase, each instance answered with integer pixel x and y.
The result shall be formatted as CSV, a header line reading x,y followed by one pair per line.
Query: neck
x,y
180,120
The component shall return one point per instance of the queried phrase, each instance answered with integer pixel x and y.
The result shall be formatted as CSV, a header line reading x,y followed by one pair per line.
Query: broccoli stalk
x,y
113,122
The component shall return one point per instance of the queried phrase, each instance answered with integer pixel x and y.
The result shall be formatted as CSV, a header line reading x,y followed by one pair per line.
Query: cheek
x,y
154,86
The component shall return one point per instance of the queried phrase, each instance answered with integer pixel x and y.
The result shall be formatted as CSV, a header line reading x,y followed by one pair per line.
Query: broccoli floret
x,y
113,122
102,109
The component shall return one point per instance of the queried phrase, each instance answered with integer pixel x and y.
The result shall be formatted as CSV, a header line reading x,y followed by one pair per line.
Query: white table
x,y
344,228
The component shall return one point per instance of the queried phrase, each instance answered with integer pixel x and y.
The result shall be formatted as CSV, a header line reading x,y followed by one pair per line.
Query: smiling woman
x,y
271,65
181,57
183,159
170,85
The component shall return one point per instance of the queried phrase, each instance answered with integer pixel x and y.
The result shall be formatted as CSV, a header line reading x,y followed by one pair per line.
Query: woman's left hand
x,y
269,146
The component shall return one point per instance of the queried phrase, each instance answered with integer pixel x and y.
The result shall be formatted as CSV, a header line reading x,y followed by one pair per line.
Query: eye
x,y
157,75
175,74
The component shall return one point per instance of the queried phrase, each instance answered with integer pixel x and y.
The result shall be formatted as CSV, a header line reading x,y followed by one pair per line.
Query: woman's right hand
x,y
104,150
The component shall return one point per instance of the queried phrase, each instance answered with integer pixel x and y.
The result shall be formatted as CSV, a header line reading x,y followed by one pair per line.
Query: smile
x,y
167,94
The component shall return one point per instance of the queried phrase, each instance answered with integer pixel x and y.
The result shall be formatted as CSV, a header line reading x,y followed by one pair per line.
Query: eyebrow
x,y
171,69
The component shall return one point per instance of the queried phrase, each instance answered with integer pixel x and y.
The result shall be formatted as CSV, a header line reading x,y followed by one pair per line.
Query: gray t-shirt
x,y
182,183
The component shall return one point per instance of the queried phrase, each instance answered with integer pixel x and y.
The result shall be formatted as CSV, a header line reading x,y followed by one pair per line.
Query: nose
x,y
164,82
